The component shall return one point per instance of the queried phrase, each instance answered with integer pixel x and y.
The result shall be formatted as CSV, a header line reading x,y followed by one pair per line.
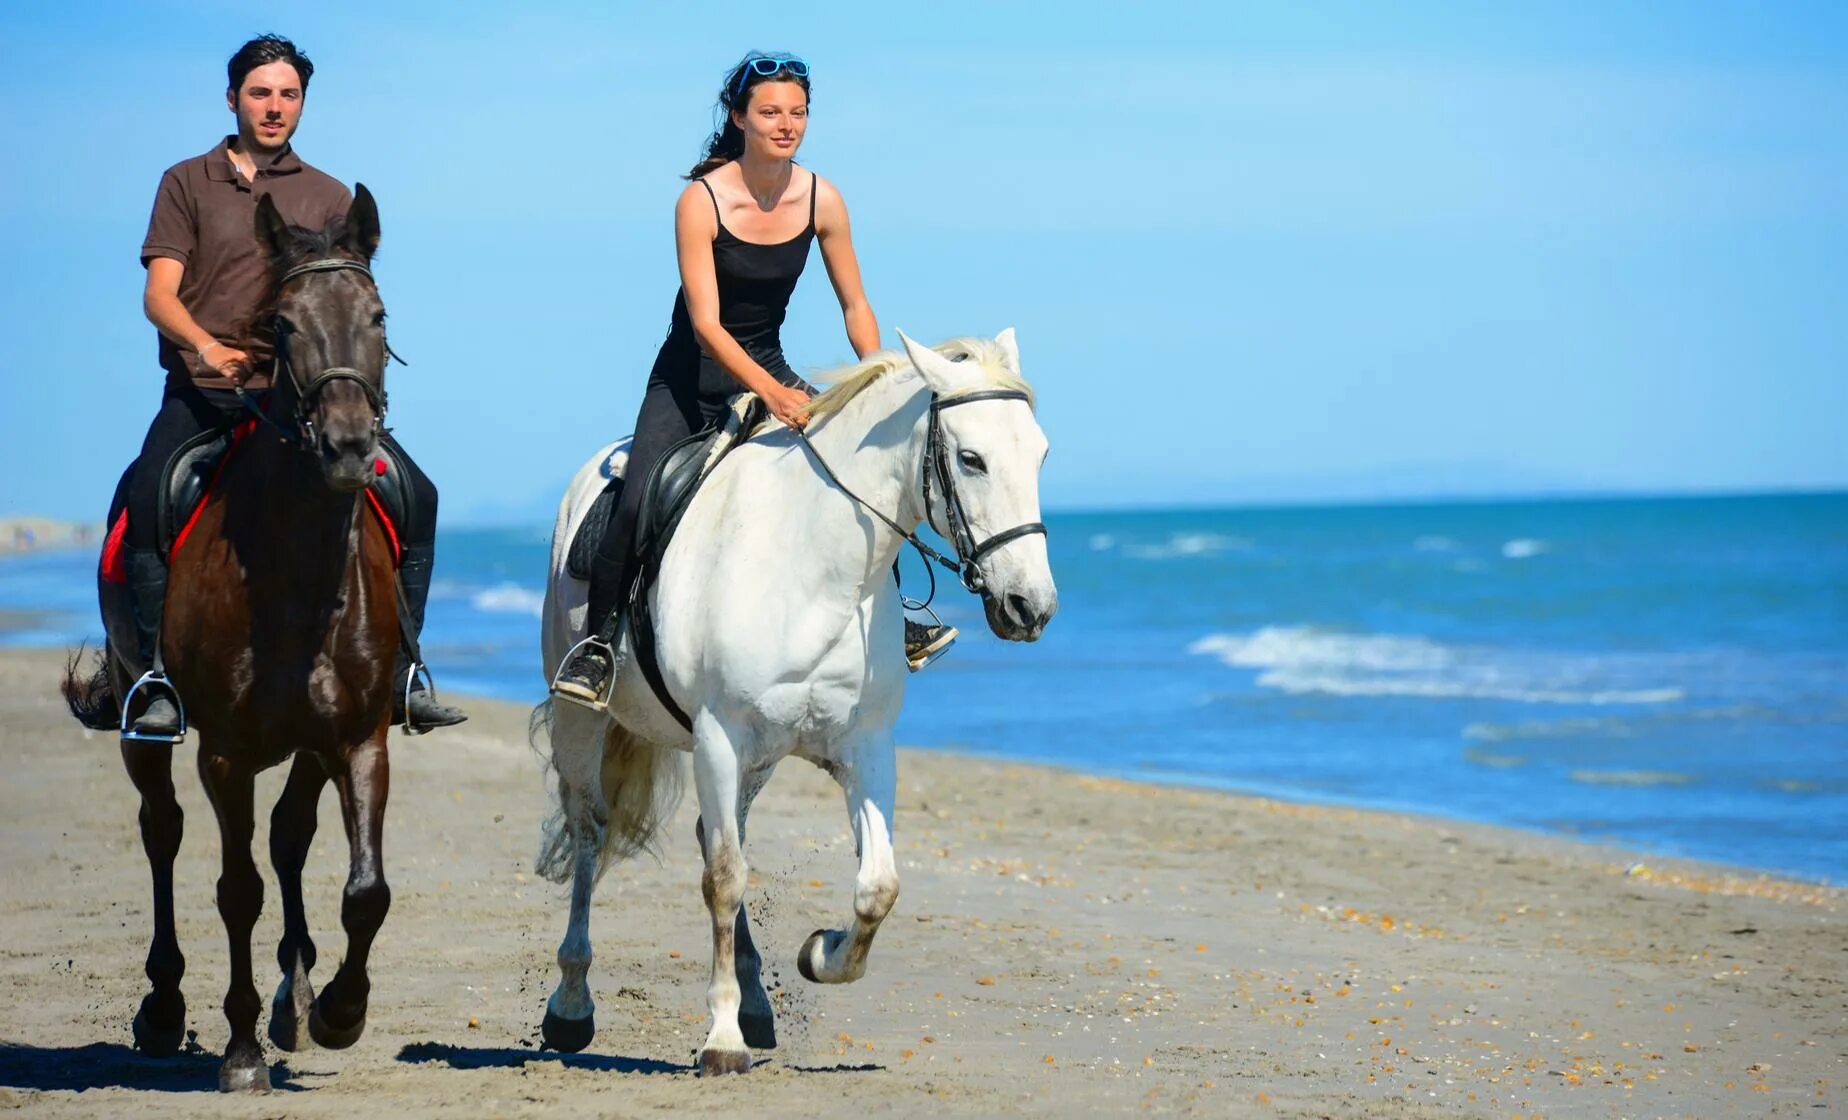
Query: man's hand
x,y
226,362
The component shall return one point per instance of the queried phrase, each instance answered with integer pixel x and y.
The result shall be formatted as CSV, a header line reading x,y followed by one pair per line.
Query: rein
x,y
969,554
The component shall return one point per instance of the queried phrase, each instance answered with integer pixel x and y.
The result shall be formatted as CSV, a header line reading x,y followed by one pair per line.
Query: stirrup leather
x,y
154,680
601,704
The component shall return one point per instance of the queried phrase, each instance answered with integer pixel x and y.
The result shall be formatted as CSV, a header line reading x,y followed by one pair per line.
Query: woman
x,y
742,229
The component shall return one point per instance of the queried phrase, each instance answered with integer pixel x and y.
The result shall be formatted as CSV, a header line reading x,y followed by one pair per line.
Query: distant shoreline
x,y
20,535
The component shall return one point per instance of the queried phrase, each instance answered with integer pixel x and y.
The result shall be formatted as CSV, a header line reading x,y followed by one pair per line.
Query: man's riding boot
x,y
423,712
147,590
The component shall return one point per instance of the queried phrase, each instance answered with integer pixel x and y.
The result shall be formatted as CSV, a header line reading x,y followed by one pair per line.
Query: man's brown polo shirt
x,y
205,217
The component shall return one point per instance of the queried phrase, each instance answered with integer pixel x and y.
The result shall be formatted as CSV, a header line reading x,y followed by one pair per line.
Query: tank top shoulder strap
x,y
715,200
814,186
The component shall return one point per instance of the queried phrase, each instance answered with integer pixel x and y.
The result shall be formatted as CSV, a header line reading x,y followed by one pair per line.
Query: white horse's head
x,y
991,451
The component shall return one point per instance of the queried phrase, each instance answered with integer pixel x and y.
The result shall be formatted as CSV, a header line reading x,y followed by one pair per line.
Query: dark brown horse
x,y
281,624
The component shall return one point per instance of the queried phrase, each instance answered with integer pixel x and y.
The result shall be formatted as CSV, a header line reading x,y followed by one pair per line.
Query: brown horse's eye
x,y
379,319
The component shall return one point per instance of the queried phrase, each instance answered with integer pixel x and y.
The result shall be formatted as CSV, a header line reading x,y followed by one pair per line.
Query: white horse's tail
x,y
642,786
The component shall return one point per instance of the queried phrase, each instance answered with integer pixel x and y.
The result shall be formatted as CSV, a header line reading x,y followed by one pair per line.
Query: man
x,y
207,281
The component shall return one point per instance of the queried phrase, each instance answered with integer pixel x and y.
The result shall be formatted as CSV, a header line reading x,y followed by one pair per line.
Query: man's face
x,y
268,106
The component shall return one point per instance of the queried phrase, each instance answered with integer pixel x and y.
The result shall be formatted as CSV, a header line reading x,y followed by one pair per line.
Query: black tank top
x,y
755,282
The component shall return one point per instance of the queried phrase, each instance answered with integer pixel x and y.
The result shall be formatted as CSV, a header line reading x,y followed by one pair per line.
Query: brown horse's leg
x,y
160,1024
240,900
339,1013
292,826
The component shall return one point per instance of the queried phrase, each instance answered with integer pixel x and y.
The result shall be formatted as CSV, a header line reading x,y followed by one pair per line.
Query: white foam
x,y
1523,548
1102,542
1434,544
509,598
1184,545
1308,660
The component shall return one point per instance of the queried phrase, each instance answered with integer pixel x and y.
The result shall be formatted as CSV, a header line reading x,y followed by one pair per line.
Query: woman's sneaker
x,y
586,676
925,642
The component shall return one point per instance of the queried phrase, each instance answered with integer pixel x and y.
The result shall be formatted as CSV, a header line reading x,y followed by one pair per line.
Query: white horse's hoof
x,y
712,1063
567,1036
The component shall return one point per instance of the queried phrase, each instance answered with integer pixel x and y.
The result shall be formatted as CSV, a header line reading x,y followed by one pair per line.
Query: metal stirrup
x,y
410,687
156,680
601,705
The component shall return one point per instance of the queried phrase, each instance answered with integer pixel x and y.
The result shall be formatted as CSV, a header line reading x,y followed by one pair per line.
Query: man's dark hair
x,y
262,51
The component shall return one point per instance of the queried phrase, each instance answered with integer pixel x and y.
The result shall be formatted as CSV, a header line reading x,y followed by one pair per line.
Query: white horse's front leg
x,y
715,773
870,780
577,746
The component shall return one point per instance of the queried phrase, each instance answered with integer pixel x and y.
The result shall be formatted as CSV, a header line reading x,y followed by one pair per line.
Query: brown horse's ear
x,y
362,222
272,232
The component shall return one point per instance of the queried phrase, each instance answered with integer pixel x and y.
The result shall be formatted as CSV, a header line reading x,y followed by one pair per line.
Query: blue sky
x,y
1254,252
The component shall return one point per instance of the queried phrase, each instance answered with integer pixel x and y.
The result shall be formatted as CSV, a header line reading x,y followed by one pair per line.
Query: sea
x,y
1669,675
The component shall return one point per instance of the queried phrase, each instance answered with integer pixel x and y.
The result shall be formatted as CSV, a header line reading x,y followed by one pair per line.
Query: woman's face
x,y
774,120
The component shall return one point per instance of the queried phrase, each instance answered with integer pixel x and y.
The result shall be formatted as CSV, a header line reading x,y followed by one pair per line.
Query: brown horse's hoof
x,y
567,1035
246,1077
289,1013
712,1063
330,1037
759,1030
155,1039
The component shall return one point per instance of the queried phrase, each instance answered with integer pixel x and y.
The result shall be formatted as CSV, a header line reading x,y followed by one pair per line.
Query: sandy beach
x,y
1063,945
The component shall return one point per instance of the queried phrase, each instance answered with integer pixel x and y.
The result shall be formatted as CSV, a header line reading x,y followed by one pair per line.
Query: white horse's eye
x,y
973,461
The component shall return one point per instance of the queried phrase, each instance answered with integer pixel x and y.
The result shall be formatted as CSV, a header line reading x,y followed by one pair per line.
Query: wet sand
x,y
1063,945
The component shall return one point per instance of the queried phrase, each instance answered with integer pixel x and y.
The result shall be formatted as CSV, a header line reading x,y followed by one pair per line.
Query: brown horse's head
x,y
330,336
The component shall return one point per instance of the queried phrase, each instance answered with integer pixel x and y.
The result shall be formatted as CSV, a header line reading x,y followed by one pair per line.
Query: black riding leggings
x,y
670,413
186,411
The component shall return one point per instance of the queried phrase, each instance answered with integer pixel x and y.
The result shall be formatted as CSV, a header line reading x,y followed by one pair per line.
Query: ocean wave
x,y
1184,545
1632,778
1303,660
1434,544
1102,542
509,598
1298,647
1547,729
1523,548
1298,683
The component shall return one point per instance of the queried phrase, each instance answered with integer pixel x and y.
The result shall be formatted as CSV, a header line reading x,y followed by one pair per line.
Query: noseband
x,y
305,395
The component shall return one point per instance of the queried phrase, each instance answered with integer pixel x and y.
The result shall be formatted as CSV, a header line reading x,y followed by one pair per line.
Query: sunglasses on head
x,y
765,67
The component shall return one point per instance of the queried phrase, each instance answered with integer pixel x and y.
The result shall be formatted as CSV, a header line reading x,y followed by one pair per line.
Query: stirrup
x,y
152,679
410,679
601,704
930,658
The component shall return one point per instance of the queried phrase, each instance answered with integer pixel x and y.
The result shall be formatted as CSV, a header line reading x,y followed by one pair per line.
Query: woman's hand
x,y
788,405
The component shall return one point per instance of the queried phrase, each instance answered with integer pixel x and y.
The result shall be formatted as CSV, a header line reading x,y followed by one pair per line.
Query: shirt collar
x,y
218,163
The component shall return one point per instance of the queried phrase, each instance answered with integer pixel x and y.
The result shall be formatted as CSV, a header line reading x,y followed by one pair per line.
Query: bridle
x,y
969,553
305,395
961,534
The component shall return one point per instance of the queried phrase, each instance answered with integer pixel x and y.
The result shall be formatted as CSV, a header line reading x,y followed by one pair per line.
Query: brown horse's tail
x,y
91,698
641,786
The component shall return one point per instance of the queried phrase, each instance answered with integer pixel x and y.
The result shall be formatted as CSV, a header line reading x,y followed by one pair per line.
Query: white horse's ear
x,y
1011,349
942,375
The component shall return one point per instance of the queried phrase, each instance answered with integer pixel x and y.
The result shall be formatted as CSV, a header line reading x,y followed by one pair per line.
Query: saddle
x,y
670,488
189,478
192,472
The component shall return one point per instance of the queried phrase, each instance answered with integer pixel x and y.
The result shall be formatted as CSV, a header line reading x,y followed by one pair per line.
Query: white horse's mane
x,y
846,382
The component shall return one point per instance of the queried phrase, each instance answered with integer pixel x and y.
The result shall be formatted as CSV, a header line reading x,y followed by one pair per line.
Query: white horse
x,y
780,632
